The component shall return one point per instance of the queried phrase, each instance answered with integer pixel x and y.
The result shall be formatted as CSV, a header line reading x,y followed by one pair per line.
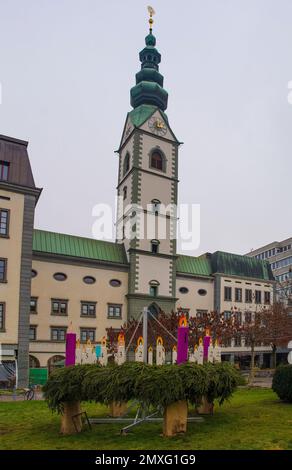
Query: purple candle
x,y
182,341
70,349
206,343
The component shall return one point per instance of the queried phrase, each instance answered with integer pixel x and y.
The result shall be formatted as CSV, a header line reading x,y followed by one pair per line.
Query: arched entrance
x,y
33,362
54,362
154,309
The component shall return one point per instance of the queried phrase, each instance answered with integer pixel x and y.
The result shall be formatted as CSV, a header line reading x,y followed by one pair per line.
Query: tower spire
x,y
149,82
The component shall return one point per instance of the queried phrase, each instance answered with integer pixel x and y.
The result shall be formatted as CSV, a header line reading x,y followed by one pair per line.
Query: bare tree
x,y
277,329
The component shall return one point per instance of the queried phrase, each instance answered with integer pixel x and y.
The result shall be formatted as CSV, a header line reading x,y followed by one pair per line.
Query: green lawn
x,y
253,419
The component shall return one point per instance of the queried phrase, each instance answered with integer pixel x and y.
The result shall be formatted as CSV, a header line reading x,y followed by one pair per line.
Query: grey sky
x,y
66,68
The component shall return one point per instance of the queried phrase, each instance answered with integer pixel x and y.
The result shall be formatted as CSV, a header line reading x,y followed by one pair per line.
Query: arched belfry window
x,y
157,160
126,165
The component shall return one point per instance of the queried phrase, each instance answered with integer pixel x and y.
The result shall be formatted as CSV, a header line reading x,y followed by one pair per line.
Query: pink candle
x,y
70,349
182,341
206,343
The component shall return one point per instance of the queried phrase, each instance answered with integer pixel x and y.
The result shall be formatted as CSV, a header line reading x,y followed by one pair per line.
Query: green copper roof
x,y
199,266
224,263
142,113
70,245
238,265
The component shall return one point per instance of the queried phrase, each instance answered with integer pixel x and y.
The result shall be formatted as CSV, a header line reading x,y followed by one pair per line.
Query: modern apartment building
x,y
279,255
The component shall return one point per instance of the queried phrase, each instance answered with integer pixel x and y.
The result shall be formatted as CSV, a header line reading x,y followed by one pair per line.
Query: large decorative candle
x,y
182,340
70,349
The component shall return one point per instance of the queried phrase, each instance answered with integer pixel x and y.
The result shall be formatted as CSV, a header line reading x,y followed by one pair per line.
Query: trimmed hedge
x,y
282,383
158,386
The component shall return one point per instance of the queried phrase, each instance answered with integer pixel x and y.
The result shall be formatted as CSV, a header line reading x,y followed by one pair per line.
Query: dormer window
x,y
4,170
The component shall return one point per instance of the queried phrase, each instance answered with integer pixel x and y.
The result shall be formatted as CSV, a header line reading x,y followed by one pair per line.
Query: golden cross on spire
x,y
151,12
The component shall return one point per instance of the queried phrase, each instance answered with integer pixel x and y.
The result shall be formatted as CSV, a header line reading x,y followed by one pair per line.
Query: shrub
x,y
282,382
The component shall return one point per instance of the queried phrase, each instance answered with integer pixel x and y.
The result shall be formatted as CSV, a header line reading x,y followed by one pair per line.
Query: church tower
x,y
147,189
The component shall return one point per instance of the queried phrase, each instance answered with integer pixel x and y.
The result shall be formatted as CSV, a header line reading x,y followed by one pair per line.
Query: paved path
x,y
10,398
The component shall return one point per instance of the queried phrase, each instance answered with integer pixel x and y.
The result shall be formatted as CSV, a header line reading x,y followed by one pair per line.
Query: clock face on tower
x,y
157,126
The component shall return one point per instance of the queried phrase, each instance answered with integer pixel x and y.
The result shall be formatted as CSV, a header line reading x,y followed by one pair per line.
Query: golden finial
x,y
151,12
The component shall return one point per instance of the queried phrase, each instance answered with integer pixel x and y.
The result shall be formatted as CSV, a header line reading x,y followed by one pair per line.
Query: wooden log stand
x,y
117,409
175,418
69,425
206,408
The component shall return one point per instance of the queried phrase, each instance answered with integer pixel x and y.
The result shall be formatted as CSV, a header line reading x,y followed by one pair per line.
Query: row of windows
x,y
4,170
267,254
59,334
250,296
86,279
59,307
284,277
282,263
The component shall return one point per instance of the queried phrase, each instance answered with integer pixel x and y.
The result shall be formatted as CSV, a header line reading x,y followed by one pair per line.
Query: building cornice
x,y
154,255
246,279
17,188
143,170
149,298
76,261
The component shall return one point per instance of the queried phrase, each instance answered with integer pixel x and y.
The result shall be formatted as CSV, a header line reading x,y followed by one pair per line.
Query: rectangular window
x,y
58,334
247,317
258,297
114,311
33,305
237,341
228,293
238,317
4,223
267,297
87,334
32,333
88,309
3,270
59,307
2,316
248,296
227,315
153,291
201,313
4,170
238,294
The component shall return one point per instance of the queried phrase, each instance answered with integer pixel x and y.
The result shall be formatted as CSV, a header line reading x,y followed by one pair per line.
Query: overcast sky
x,y
66,69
